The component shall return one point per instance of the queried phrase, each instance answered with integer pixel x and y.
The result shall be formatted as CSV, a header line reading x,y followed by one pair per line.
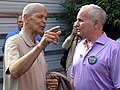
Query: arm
x,y
67,43
72,83
23,64
115,67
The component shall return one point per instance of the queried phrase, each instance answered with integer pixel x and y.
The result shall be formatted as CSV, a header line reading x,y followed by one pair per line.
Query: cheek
x,y
86,26
82,27
37,22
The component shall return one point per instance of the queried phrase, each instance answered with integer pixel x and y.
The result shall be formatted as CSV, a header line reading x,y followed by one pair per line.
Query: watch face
x,y
92,59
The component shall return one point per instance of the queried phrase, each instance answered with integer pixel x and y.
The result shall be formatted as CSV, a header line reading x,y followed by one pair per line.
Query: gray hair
x,y
29,9
96,12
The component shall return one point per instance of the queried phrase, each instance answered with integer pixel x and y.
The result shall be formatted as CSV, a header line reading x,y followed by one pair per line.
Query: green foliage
x,y
111,7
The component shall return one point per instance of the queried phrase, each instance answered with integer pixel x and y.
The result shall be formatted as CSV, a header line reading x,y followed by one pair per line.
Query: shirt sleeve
x,y
11,53
66,44
115,68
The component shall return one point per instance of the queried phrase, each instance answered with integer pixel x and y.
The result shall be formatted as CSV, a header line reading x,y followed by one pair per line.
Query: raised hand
x,y
51,36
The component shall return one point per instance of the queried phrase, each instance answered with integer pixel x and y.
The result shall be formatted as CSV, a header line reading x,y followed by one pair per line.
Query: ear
x,y
96,22
25,18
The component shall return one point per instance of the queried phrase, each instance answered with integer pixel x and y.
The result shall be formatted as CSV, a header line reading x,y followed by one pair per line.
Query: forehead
x,y
39,10
83,13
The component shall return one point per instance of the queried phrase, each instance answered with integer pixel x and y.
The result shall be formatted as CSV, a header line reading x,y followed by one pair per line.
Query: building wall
x,y
9,9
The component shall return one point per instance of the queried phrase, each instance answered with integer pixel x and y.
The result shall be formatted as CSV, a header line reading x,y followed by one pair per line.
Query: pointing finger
x,y
54,28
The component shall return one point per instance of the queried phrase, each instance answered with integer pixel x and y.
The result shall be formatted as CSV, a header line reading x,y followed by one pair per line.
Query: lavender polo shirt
x,y
97,68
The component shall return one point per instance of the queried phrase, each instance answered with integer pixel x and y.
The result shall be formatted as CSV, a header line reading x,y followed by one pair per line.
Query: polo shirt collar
x,y
26,38
101,40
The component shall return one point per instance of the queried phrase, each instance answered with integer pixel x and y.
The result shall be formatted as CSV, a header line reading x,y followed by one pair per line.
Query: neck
x,y
94,37
30,35
89,44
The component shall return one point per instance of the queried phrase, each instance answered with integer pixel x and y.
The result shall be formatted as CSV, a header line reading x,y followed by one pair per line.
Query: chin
x,y
79,33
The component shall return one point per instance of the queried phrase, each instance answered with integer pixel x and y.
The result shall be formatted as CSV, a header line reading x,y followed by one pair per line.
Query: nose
x,y
77,24
44,20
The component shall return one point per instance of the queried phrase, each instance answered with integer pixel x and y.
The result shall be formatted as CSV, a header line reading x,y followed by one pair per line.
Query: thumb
x,y
59,32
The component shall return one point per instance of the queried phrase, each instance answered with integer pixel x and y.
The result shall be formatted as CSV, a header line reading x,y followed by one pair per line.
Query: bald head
x,y
31,8
94,12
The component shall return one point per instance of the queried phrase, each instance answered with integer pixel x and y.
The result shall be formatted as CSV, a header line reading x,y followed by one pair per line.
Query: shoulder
x,y
13,38
113,42
11,43
113,45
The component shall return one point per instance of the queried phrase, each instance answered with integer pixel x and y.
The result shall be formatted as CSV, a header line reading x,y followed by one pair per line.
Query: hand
x,y
51,36
52,84
74,31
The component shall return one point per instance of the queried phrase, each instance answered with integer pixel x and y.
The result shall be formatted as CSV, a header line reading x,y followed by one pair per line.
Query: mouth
x,y
79,31
42,27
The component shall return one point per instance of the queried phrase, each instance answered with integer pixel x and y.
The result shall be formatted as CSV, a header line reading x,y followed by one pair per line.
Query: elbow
x,y
14,73
64,47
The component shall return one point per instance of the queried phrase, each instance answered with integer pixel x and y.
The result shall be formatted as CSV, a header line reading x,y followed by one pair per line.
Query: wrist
x,y
40,46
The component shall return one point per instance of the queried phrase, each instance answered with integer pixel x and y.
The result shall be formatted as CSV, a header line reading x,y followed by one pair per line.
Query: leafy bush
x,y
111,7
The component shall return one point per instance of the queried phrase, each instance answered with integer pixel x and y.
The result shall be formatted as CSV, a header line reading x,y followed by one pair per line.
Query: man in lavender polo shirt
x,y
96,61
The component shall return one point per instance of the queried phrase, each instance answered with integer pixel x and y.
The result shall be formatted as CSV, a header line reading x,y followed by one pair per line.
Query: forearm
x,y
72,83
66,44
22,65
